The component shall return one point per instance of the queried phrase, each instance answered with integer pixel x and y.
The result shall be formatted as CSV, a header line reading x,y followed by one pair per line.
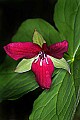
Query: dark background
x,y
12,14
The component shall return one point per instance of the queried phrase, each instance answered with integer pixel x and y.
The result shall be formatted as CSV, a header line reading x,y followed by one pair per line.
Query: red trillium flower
x,y
42,65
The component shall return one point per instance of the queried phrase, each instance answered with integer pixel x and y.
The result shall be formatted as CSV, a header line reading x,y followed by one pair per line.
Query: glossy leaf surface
x,y
14,85
60,102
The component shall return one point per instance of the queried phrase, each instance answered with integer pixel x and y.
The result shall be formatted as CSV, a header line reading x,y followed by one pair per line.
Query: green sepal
x,y
24,65
60,63
38,39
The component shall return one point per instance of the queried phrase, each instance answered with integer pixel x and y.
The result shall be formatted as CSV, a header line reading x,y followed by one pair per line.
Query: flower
x,y
42,65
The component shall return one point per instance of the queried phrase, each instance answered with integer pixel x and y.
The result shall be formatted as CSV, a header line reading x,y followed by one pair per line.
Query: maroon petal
x,y
43,69
46,48
22,50
57,50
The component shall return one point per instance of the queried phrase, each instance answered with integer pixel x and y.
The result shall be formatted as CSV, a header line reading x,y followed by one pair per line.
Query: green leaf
x,y
24,65
38,39
78,54
26,31
60,102
60,63
69,27
14,85
56,103
67,20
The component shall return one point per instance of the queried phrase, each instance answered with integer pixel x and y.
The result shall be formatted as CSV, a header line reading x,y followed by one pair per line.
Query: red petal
x,y
57,50
43,72
22,49
46,48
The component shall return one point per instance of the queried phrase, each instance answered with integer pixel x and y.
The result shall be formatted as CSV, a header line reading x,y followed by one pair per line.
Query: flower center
x,y
43,58
42,55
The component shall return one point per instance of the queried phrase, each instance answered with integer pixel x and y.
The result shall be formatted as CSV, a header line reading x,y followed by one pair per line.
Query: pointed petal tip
x,y
43,72
8,52
57,50
19,50
47,88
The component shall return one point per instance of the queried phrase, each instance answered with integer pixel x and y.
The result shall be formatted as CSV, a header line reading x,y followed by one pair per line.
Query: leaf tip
x,y
15,70
69,71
